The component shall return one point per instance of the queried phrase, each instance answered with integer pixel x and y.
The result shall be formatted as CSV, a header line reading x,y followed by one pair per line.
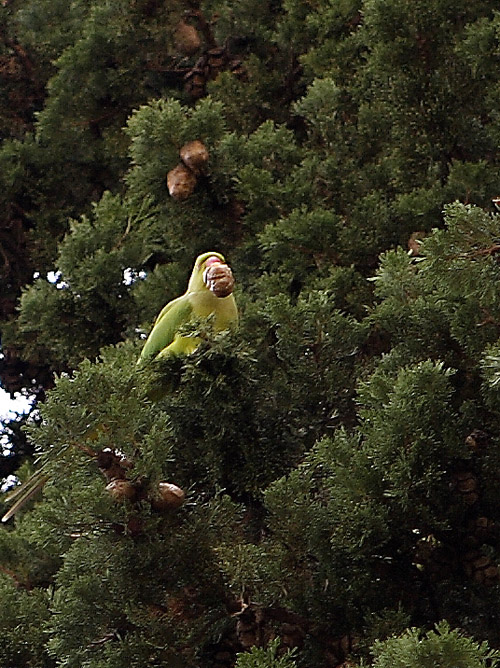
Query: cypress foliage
x,y
319,487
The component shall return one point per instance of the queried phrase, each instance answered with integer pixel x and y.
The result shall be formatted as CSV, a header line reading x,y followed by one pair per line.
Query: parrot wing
x,y
175,314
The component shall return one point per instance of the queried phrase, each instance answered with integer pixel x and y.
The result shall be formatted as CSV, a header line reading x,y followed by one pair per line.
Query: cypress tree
x,y
319,487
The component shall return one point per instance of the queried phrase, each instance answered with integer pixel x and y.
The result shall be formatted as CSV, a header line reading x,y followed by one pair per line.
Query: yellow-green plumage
x,y
196,303
164,340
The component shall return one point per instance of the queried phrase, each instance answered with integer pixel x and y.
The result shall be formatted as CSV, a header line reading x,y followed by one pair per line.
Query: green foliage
x,y
319,108
301,242
104,605
441,648
451,290
266,658
354,497
50,26
88,302
339,452
23,615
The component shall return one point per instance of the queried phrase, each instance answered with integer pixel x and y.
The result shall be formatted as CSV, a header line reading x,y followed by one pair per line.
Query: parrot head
x,y
211,272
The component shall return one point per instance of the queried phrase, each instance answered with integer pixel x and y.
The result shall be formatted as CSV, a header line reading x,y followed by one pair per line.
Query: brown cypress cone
x,y
247,633
480,568
216,61
465,484
482,529
134,526
414,243
292,635
207,68
194,155
477,441
490,575
195,83
113,466
121,490
168,496
237,68
181,182
251,628
186,38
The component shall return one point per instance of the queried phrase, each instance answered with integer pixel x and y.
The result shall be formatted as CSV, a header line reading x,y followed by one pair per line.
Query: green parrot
x,y
209,292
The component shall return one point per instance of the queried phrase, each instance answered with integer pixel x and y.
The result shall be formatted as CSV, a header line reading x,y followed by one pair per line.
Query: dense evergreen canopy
x,y
340,452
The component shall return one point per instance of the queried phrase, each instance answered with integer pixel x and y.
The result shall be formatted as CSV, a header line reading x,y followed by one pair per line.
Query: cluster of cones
x,y
258,625
438,556
121,488
207,68
182,179
191,34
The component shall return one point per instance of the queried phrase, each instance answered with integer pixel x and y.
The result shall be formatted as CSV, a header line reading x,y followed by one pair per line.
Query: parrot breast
x,y
209,295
